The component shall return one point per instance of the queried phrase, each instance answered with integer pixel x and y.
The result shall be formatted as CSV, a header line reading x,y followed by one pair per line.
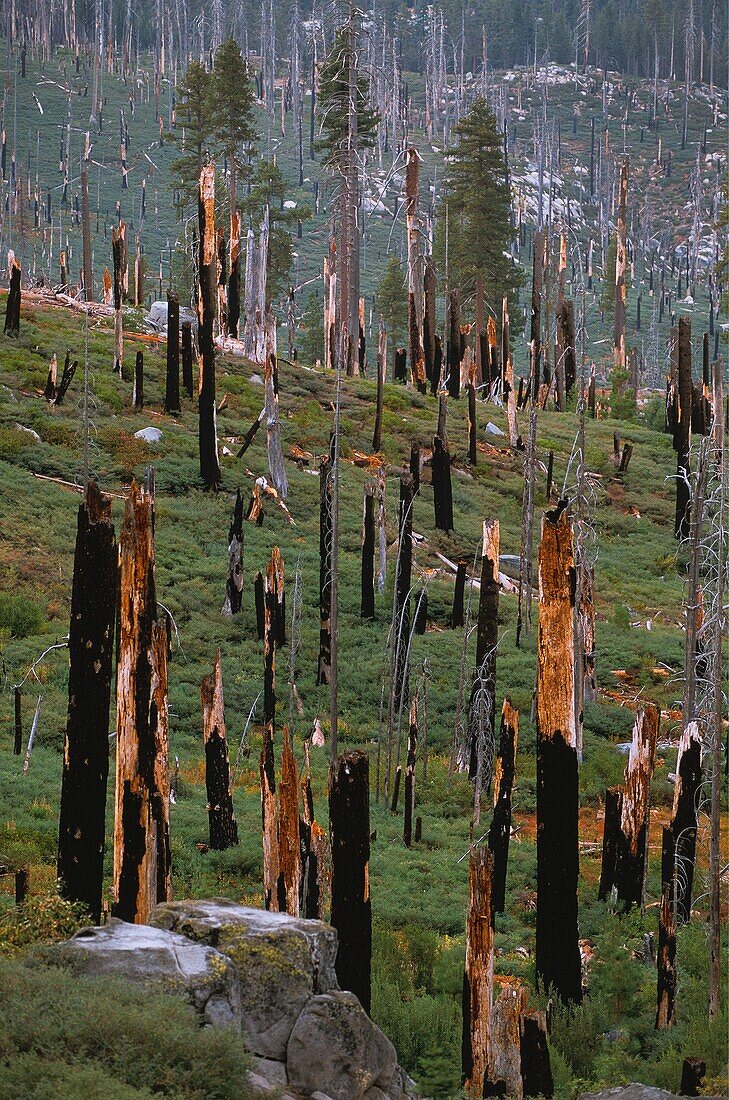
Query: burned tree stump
x,y
453,346
442,491
289,842
276,466
221,818
478,974
693,1072
635,811
610,841
367,603
186,330
349,818
557,952
684,821
18,740
172,383
429,322
141,825
536,1070
396,790
420,619
410,775
273,588
69,369
119,253
138,386
207,298
504,1070
500,829
234,583
666,938
12,309
86,752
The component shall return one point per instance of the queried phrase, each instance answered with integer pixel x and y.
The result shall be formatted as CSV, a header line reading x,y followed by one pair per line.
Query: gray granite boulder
x,y
634,1092
137,953
282,962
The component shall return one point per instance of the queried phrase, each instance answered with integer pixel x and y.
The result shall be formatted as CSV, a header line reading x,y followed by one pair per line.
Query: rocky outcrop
x,y
634,1092
268,974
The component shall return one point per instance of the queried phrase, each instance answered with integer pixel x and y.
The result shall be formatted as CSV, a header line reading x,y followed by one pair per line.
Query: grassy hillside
x,y
418,895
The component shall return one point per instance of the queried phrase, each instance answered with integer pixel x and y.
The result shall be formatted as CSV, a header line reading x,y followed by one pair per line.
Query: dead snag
x,y
693,1072
536,1069
420,619
207,298
399,369
141,824
381,375
478,974
472,451
635,812
18,742
410,775
138,386
221,818
482,706
273,587
276,465
437,366
507,376
415,465
682,432
50,391
86,752
415,278
621,261
233,310
429,335
367,603
12,309
566,339
536,312
186,330
403,581
88,272
172,382
500,829
453,347
349,818
289,845
557,950
234,583
418,829
685,817
260,606
119,254
325,568
442,490
610,841
666,938
457,617
396,790
69,369
504,1069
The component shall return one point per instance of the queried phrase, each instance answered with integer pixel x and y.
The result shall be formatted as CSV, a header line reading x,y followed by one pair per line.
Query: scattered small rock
x,y
149,435
22,428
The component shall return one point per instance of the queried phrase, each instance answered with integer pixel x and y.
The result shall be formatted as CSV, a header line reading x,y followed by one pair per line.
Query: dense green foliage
x,y
392,300
334,100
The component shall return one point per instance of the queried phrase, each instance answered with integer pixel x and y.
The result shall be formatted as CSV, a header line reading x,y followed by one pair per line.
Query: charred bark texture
x,y
138,388
289,839
234,583
207,297
86,751
187,357
12,309
457,616
367,603
500,829
482,707
323,673
682,432
349,817
221,818
478,974
442,490
172,385
273,591
666,938
410,775
403,581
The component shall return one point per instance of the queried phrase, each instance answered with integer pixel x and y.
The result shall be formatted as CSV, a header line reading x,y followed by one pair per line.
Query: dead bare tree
x,y
478,974
207,294
221,817
349,822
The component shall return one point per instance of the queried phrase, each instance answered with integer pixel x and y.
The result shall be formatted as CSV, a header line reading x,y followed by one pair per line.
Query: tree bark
x,y
233,311
429,323
207,289
381,375
635,811
401,610
367,604
12,309
442,491
323,673
349,818
221,818
482,706
119,253
138,388
536,313
684,821
500,829
666,938
289,842
453,350
557,951
86,237
172,385
457,617
86,753
610,841
234,583
621,289
186,330
410,775
415,278
142,863
276,466
478,975
273,595
504,1069
682,433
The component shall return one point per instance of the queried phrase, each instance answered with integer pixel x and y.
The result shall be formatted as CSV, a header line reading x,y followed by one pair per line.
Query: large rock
x,y
336,1049
146,955
634,1092
281,961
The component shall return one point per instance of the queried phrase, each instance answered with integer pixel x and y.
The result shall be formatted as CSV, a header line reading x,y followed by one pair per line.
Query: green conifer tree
x,y
333,103
193,132
232,113
392,300
311,326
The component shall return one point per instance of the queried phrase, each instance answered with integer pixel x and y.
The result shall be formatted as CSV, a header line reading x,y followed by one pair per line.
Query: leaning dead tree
x,y
221,817
500,828
625,841
142,863
86,751
207,298
557,951
349,821
478,974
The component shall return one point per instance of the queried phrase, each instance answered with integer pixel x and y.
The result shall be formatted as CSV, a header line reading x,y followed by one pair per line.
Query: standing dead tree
x,y
482,706
119,255
410,774
507,377
440,466
349,822
526,545
221,818
86,750
276,465
325,567
500,828
621,263
682,431
172,378
234,583
478,974
557,951
142,863
187,357
666,961
12,309
684,821
273,596
88,273
289,839
415,272
367,602
401,605
207,298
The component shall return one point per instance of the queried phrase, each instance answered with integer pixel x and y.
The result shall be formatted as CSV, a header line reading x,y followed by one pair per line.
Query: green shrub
x,y
20,616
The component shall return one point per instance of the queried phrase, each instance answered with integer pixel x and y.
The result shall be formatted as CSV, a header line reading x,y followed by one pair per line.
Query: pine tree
x,y
333,103
392,300
476,202
194,129
232,113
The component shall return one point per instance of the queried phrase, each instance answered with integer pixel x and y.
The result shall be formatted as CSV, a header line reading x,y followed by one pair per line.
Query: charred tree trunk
x,y
410,775
478,975
684,822
536,1071
289,843
453,350
172,386
472,450
621,287
415,278
273,597
442,491
233,311
276,466
349,817
635,811
557,951
18,740
12,309
119,254
367,605
666,938
500,829
234,583
187,357
381,374
138,388
482,707
682,432
457,617
429,323
536,314
325,570
610,841
221,818
403,581
207,296
142,871
86,753
504,1061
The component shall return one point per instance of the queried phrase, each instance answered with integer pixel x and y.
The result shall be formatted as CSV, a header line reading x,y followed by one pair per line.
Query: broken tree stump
x,y
349,817
666,961
682,432
482,703
172,377
401,609
289,842
610,841
138,385
323,671
500,828
18,740
12,309
119,253
684,821
142,871
635,811
442,491
273,589
693,1072
221,817
478,974
81,829
558,964
503,1077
